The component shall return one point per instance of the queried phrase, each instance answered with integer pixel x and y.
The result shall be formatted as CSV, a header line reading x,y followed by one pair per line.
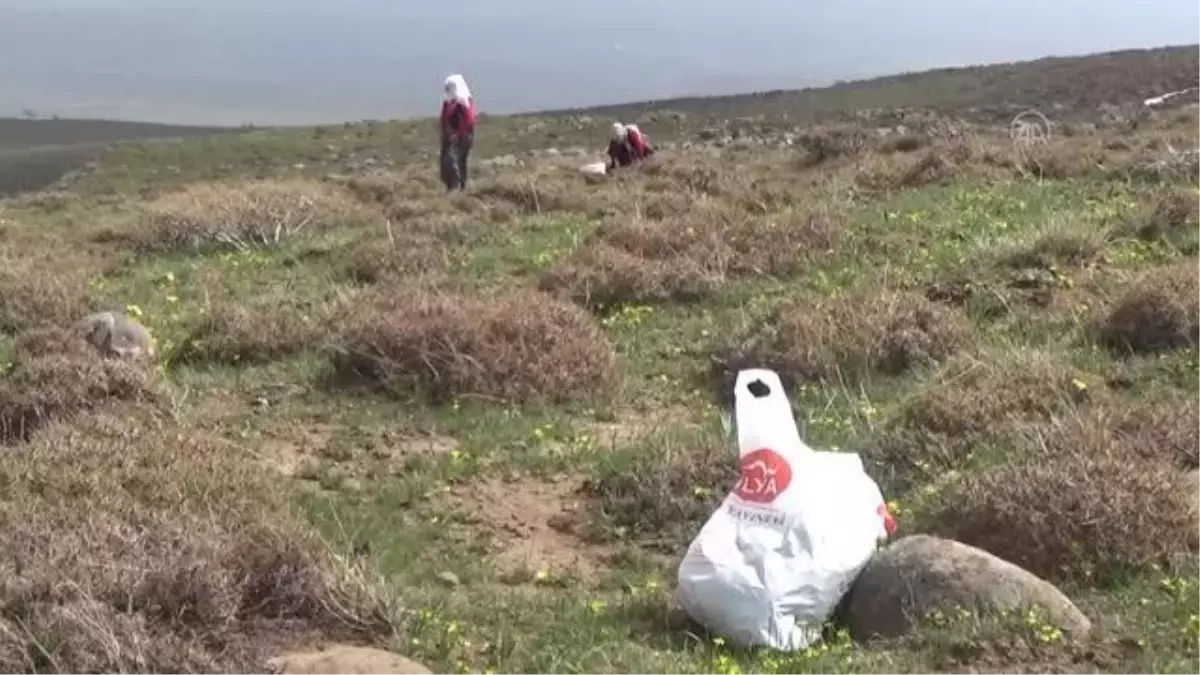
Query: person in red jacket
x,y
458,131
627,145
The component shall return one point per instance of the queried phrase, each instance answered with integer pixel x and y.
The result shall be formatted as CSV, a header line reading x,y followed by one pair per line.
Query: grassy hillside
x,y
34,153
481,429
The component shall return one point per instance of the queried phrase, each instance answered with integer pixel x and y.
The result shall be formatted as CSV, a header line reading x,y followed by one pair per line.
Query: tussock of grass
x,y
262,213
35,293
600,277
687,258
56,375
1077,516
970,405
261,330
825,144
1160,428
1160,312
134,548
818,338
440,345
662,499
378,260
1173,217
1072,244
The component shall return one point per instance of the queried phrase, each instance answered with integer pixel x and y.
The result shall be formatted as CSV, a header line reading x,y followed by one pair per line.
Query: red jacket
x,y
457,119
637,142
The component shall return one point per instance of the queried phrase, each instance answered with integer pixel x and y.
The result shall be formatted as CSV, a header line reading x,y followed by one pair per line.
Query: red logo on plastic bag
x,y
763,475
889,521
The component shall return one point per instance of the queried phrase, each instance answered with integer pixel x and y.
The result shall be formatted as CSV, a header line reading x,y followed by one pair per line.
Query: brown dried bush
x,y
972,405
375,261
56,375
261,213
663,496
907,142
1074,517
258,331
130,547
1071,243
1174,217
823,145
683,258
37,293
522,346
1161,311
820,338
1155,427
599,277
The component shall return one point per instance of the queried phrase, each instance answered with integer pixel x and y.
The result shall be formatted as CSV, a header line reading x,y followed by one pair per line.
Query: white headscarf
x,y
618,131
456,89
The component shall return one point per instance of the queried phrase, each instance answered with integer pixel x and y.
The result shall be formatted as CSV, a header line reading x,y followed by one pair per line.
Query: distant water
x,y
305,61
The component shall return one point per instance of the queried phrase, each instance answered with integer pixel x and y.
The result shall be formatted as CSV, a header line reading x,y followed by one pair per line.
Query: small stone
x,y
449,578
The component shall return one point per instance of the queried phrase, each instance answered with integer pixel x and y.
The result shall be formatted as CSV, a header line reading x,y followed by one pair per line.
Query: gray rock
x,y
910,578
345,659
115,334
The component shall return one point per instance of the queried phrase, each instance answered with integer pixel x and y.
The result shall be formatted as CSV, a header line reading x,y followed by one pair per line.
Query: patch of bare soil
x,y
298,449
534,523
629,426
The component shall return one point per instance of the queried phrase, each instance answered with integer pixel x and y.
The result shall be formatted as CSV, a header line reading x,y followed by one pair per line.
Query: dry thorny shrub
x,y
1157,427
1029,274
257,331
687,257
57,375
1161,311
663,496
816,337
252,214
1078,515
1173,216
39,293
969,405
440,345
129,547
600,276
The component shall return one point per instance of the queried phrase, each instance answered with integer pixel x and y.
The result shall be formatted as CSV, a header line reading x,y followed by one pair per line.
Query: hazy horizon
x,y
295,62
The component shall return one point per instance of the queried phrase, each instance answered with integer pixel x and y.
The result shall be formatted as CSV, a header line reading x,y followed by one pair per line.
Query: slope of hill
x,y
1075,83
36,152
481,429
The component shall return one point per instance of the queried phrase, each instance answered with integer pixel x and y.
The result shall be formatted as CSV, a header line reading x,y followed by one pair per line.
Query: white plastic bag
x,y
772,563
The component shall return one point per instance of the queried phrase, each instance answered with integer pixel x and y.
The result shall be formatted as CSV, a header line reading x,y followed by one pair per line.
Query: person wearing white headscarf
x,y
627,145
457,131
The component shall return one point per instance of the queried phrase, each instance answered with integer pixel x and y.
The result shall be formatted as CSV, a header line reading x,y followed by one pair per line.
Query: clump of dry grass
x,y
664,498
130,546
56,375
818,338
1159,312
829,143
1174,217
37,293
377,260
599,276
1155,427
440,345
257,331
684,258
1076,516
971,405
260,213
937,164
1071,243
